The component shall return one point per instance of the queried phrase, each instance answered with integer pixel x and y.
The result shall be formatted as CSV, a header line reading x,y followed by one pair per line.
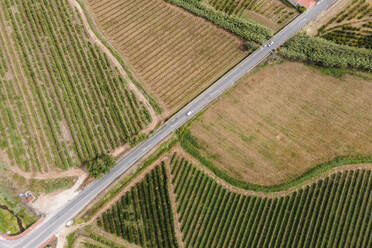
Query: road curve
x,y
52,224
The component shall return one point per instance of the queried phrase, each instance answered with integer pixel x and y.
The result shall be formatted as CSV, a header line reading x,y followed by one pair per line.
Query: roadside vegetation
x,y
246,28
100,165
8,222
174,53
326,53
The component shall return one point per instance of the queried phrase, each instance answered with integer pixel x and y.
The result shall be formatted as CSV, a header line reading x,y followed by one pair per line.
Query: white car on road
x,y
69,223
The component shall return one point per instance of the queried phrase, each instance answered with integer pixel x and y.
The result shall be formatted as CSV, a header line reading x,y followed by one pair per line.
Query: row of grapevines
x,y
144,214
332,212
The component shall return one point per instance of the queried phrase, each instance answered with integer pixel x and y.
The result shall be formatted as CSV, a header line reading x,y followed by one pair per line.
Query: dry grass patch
x,y
285,119
175,54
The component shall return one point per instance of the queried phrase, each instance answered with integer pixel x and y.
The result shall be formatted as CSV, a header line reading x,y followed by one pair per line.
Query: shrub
x,y
100,165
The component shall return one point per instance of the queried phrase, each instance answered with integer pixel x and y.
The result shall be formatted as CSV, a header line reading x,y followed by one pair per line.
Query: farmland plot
x,y
352,26
62,100
143,215
332,212
271,13
283,120
174,53
329,211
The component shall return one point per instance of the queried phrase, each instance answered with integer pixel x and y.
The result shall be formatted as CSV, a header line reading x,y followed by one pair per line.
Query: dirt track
x,y
131,85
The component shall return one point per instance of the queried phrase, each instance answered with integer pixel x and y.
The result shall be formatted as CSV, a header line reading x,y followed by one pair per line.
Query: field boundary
x,y
189,144
93,27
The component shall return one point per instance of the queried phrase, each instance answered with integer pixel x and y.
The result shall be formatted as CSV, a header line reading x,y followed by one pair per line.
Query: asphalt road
x,y
52,224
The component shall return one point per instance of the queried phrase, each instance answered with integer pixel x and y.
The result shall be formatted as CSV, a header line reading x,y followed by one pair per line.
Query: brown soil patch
x,y
176,55
285,119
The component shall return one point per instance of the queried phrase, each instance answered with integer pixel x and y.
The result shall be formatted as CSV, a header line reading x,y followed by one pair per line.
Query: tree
x,y
301,9
100,165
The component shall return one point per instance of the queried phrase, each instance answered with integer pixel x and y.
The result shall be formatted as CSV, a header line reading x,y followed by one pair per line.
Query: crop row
x,y
274,10
332,212
71,103
350,38
144,214
173,52
354,17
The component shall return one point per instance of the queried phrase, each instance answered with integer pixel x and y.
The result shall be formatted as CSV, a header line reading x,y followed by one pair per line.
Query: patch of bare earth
x,y
48,204
281,121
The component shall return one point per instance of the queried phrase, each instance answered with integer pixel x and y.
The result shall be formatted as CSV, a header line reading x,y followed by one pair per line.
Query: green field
x,y
351,26
330,211
62,99
143,215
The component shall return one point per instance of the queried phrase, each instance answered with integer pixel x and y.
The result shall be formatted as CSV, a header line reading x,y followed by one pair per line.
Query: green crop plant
x,y
64,96
144,214
330,212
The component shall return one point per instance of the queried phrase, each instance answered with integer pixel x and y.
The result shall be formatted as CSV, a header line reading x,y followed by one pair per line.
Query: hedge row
x,y
326,53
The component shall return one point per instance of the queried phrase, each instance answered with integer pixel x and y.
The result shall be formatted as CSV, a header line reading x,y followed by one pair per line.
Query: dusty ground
x,y
50,203
284,120
174,53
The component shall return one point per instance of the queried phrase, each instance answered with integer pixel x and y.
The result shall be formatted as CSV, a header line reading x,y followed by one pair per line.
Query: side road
x,y
54,223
